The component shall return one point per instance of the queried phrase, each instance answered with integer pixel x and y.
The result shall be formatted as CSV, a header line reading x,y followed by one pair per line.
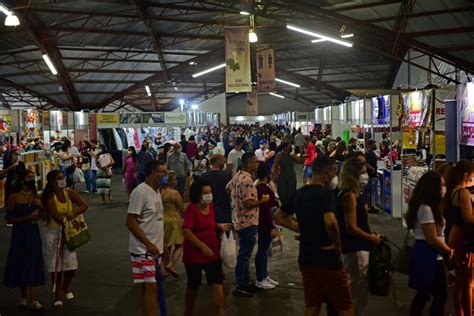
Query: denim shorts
x,y
307,172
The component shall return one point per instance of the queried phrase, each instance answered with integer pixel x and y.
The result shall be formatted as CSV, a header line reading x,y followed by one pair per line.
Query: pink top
x,y
242,188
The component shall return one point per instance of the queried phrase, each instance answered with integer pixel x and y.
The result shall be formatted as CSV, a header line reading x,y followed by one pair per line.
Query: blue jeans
x,y
87,177
68,175
93,176
247,240
261,258
181,185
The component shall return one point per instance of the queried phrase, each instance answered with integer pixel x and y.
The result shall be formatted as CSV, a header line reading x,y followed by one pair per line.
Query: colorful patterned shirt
x,y
242,188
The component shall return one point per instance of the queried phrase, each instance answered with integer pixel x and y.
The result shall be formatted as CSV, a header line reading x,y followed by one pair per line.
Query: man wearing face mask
x,y
145,222
178,162
218,178
324,279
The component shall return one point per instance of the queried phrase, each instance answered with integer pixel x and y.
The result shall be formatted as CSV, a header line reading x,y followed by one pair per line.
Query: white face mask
x,y
207,198
363,180
443,191
61,183
333,184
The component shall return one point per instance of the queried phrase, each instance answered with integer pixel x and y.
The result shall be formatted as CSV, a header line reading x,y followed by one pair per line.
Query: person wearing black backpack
x,y
428,271
356,236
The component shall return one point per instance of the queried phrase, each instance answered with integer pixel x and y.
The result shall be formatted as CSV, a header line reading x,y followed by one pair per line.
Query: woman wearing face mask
x,y
201,163
460,220
60,203
104,174
201,247
24,268
284,172
356,237
11,168
266,227
129,171
428,270
172,217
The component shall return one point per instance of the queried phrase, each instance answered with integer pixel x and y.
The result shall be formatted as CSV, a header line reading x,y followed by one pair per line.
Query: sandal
x,y
69,296
58,305
23,304
36,306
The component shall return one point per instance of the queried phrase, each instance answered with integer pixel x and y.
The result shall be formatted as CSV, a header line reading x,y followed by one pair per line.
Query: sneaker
x,y
242,291
272,282
85,191
264,285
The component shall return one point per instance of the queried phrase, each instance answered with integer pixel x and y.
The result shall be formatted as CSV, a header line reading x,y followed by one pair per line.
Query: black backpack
x,y
380,268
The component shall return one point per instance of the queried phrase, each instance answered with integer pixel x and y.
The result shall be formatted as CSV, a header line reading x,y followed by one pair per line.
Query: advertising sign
x,y
466,100
237,59
251,105
381,110
266,70
108,119
175,118
417,108
92,126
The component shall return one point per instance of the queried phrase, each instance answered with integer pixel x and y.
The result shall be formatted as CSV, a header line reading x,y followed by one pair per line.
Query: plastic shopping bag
x,y
229,250
78,176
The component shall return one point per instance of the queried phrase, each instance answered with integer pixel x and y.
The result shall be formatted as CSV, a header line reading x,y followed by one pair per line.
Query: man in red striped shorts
x,y
145,222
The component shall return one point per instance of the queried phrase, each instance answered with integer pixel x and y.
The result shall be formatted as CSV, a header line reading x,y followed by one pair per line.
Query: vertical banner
x,y
251,106
466,100
417,107
92,126
237,59
266,70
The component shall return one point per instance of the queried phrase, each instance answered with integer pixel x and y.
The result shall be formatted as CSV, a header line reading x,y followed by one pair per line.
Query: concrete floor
x,y
103,284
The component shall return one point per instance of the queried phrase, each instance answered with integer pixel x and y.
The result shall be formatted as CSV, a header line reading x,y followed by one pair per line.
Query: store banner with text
x,y
466,106
175,118
251,105
237,59
417,107
266,70
108,119
92,126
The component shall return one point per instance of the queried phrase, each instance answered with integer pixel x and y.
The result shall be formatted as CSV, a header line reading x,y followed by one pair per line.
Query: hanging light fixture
x,y
50,64
11,19
253,38
319,36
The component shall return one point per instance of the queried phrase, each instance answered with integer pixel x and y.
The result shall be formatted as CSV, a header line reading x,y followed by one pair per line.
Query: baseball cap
x,y
263,142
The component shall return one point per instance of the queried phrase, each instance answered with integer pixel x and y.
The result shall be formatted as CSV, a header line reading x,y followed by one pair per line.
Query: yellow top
x,y
62,209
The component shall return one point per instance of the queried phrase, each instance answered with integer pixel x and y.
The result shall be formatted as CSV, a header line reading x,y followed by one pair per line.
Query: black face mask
x,y
30,184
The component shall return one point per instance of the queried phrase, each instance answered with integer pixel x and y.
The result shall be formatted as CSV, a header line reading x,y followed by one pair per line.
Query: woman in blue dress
x,y
24,268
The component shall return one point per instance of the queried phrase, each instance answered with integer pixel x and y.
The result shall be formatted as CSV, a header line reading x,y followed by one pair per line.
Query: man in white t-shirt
x,y
145,222
262,151
234,160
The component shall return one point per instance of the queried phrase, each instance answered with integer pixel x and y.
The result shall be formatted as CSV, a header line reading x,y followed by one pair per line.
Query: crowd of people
x,y
184,197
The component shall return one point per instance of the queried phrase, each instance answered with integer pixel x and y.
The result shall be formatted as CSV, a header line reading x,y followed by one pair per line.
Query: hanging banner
x,y
266,70
381,110
46,122
417,108
92,126
5,123
251,106
108,119
466,106
237,59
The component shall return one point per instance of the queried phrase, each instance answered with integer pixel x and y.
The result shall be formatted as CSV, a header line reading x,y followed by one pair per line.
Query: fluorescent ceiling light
x,y
319,40
50,64
192,63
276,95
244,13
12,20
239,118
347,35
208,70
4,10
148,91
288,83
319,35
253,37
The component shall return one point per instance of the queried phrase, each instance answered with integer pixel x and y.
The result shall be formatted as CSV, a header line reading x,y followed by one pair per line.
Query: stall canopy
x,y
107,51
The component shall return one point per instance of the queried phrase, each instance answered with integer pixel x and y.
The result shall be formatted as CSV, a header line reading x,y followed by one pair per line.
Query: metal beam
x,y
74,30
398,49
422,14
28,90
365,5
441,32
143,12
47,44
